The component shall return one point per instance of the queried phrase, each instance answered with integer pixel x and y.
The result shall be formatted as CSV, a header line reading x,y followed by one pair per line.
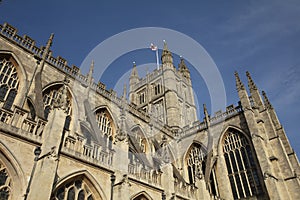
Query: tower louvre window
x,y
241,168
9,82
142,97
157,89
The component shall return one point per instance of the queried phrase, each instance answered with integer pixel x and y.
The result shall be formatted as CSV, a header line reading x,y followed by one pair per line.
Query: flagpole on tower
x,y
154,48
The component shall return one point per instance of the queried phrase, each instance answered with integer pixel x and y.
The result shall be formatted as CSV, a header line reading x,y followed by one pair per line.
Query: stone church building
x,y
64,137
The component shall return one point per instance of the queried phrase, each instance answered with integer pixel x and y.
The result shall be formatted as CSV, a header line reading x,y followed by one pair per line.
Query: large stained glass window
x,y
241,167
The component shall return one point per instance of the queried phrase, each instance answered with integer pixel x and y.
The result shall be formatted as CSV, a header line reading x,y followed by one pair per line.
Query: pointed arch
x,y
243,170
195,161
225,130
12,173
70,94
141,196
78,183
51,93
106,123
11,76
22,75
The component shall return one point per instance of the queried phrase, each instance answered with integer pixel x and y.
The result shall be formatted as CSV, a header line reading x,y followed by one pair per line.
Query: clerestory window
x,y
9,82
241,167
104,122
196,163
53,95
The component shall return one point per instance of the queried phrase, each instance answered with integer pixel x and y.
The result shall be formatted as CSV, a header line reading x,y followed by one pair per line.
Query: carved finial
x,y
266,101
206,116
134,71
182,66
251,83
239,84
47,48
165,45
49,43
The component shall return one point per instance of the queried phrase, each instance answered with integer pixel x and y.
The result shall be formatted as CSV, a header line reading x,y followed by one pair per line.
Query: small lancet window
x,y
157,89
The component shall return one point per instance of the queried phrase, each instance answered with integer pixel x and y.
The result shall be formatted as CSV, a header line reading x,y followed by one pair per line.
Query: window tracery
x,y
5,183
241,167
74,190
196,162
104,122
52,96
9,82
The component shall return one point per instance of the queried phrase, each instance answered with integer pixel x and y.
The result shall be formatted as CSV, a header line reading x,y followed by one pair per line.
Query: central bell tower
x,y
166,93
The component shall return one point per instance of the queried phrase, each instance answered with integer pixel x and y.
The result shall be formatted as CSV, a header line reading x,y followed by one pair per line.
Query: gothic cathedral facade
x,y
64,137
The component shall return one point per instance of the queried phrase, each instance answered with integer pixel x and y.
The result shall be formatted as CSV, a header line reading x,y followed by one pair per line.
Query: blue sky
x,y
262,37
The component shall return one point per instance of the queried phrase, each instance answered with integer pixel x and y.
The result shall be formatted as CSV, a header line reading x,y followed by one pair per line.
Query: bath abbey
x,y
64,136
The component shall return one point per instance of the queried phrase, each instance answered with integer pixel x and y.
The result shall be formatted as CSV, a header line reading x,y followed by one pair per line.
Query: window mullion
x,y
215,182
233,176
245,171
238,170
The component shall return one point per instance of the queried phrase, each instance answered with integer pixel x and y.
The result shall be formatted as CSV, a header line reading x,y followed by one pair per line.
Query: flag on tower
x,y
153,47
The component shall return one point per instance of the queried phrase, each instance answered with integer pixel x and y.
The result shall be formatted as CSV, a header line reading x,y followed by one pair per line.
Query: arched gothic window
x,y
9,82
5,183
196,158
241,167
51,96
74,190
104,122
141,197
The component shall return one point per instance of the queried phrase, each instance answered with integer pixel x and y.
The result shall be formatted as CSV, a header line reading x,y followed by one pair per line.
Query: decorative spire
x,y
239,84
266,101
206,116
165,46
49,43
134,71
90,74
166,56
182,66
251,83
